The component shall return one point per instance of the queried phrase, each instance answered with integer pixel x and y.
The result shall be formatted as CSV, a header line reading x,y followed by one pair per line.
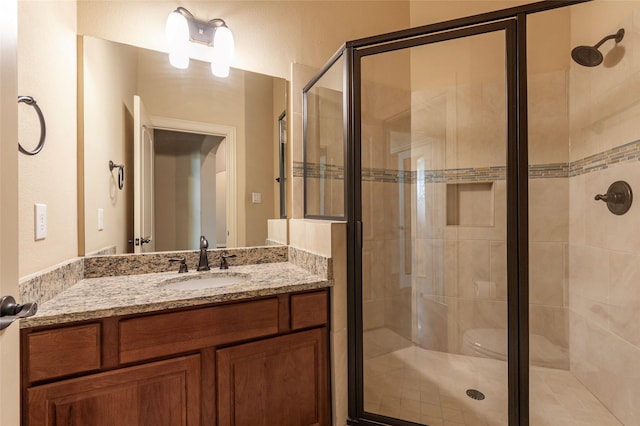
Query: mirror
x,y
217,176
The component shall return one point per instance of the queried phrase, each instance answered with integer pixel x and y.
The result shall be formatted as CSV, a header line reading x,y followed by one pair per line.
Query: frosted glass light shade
x,y
223,43
177,32
223,47
219,69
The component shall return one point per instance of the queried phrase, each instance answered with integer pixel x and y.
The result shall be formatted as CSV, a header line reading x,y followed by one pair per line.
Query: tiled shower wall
x,y
604,248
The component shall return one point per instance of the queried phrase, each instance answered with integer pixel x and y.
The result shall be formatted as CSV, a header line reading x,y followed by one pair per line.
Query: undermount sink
x,y
201,282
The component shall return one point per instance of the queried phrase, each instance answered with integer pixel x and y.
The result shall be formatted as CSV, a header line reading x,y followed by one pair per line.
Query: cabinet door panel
x,y
165,393
278,381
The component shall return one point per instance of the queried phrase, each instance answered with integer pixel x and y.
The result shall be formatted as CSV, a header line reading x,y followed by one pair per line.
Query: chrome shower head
x,y
590,56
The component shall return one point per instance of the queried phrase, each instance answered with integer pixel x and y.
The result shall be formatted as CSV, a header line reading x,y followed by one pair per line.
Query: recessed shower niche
x,y
470,204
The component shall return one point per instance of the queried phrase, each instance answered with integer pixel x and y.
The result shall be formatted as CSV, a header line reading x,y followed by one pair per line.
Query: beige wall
x,y
279,105
258,158
47,71
432,11
110,80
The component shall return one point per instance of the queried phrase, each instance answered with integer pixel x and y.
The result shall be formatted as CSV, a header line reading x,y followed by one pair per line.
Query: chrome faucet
x,y
203,264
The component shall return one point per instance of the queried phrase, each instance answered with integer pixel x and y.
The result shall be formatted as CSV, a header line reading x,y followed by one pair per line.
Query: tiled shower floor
x,y
429,387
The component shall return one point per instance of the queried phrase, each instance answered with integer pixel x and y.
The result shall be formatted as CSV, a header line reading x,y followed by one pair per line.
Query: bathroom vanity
x,y
245,354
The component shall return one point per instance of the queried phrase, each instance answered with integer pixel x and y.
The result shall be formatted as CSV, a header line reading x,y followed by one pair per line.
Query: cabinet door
x,y
155,394
279,381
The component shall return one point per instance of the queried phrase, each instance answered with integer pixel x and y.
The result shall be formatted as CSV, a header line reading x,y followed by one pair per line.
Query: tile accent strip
x,y
626,153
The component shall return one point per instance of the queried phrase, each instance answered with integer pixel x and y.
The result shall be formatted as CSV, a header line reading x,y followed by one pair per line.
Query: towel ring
x,y
43,128
120,168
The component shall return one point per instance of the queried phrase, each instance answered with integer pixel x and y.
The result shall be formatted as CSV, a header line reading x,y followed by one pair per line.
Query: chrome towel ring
x,y
43,128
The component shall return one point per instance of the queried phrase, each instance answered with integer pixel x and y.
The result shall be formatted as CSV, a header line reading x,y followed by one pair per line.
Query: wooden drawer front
x,y
167,334
63,351
308,310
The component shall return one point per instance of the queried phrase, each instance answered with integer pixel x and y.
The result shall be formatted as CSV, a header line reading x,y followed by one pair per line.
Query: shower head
x,y
590,56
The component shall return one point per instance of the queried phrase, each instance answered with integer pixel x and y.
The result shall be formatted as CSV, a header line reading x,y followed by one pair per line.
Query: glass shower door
x,y
433,133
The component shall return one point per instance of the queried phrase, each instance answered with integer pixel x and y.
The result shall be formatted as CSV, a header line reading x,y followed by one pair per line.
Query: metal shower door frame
x,y
518,353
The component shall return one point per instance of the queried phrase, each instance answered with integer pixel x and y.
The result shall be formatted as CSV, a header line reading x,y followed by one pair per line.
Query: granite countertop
x,y
94,298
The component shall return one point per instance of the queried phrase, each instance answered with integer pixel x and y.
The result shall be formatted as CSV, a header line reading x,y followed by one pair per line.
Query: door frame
x,y
228,132
516,284
9,337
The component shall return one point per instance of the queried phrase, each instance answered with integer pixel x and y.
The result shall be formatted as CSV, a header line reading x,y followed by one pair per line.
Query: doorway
x,y
219,141
190,187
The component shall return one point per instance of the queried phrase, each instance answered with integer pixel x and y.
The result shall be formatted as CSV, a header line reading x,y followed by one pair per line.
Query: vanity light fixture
x,y
209,41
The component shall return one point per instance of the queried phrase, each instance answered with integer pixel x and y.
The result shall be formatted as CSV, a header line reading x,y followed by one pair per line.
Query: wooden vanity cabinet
x,y
258,362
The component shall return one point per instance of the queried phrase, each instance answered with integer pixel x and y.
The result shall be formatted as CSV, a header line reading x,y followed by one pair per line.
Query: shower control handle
x,y
610,197
618,197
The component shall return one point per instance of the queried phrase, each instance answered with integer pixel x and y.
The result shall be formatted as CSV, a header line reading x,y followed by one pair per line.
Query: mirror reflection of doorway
x,y
190,189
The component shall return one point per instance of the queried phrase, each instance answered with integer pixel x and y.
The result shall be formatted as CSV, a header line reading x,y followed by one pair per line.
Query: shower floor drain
x,y
475,394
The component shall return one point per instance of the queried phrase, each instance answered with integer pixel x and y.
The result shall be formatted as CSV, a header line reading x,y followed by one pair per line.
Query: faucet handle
x,y
183,264
223,260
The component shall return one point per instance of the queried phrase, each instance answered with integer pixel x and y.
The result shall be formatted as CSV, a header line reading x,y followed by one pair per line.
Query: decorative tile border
x,y
320,171
626,153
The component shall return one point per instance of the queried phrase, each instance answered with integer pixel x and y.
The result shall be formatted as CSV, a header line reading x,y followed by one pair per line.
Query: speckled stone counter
x,y
93,298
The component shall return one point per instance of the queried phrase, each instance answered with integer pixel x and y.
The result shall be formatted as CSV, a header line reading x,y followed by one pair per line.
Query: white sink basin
x,y
200,282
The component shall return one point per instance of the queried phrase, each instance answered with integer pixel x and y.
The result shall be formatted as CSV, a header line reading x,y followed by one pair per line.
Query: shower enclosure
x,y
487,284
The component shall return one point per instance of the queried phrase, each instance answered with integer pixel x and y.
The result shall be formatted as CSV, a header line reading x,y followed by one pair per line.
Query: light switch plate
x,y
100,219
256,197
40,214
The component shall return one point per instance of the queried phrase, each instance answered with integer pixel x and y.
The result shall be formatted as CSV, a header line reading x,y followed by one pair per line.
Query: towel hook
x,y
43,128
120,168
